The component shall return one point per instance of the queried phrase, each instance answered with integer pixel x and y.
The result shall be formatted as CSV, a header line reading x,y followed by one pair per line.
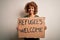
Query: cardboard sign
x,y
31,27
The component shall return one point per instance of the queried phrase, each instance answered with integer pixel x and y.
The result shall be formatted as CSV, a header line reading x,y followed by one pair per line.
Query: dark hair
x,y
32,4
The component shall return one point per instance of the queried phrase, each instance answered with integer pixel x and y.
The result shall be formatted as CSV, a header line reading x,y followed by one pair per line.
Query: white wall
x,y
11,9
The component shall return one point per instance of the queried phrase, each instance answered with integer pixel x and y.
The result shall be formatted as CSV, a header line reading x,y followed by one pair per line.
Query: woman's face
x,y
31,10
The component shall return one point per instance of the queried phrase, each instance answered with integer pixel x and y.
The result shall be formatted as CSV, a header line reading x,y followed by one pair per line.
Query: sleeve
x,y
36,16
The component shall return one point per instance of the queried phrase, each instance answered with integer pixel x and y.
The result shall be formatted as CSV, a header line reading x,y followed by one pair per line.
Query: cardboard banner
x,y
31,27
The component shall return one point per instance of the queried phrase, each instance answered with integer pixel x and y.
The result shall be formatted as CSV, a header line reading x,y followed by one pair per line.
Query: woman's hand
x,y
18,28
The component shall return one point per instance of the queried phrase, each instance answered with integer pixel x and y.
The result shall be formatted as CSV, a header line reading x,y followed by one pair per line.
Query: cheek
x,y
33,9
29,9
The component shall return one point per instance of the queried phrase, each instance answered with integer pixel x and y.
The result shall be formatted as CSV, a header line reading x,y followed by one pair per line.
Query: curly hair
x,y
31,4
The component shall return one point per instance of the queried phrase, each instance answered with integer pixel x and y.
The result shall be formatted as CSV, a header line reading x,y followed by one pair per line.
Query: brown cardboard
x,y
31,27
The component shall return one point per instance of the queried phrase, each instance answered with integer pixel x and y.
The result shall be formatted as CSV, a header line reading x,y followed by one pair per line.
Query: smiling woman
x,y
31,9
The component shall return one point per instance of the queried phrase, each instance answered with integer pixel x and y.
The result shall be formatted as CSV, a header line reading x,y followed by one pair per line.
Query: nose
x,y
30,9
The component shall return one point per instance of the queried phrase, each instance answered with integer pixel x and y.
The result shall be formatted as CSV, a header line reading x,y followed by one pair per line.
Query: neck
x,y
31,15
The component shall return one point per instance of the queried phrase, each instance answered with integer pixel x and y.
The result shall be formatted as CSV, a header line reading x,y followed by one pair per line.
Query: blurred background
x,y
10,10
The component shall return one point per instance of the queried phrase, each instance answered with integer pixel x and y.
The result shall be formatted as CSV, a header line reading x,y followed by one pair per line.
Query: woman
x,y
31,9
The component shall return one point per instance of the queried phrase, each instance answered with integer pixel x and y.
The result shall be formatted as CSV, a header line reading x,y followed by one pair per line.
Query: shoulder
x,y
26,16
36,16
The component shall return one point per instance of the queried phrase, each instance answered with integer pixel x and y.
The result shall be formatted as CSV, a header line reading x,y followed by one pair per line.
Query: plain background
x,y
10,10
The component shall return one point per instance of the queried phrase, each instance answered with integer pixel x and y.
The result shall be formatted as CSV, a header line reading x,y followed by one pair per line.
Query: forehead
x,y
31,6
